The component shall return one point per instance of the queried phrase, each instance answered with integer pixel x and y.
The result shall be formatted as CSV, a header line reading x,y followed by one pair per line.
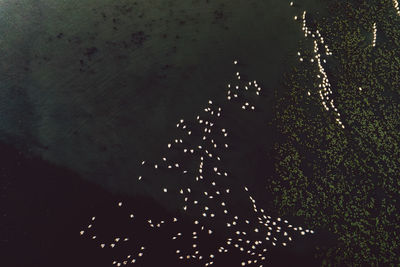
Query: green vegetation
x,y
345,180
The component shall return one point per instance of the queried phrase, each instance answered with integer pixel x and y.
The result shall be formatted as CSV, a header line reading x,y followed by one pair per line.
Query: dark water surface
x,y
97,86
89,89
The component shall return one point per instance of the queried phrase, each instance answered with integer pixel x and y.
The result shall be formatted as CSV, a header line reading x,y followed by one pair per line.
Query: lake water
x,y
96,87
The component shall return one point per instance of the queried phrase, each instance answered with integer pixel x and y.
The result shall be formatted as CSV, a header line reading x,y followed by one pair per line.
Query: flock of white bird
x,y
245,234
396,6
209,202
324,86
374,34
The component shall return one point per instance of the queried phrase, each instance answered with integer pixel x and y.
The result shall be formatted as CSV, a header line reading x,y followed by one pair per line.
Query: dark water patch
x,y
124,94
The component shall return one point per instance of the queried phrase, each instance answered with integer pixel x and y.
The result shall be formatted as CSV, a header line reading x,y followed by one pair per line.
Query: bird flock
x,y
206,197
374,34
324,85
396,6
209,199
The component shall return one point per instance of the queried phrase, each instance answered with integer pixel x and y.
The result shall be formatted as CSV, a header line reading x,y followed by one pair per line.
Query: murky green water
x,y
97,86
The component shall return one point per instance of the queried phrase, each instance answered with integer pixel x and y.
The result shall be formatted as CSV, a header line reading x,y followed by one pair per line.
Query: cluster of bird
x,y
204,194
396,6
374,34
209,199
324,86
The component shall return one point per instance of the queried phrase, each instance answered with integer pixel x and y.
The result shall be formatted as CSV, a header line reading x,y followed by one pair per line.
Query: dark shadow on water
x,y
45,206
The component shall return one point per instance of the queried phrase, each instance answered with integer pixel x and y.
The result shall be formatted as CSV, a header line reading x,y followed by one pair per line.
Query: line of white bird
x,y
374,30
396,6
325,86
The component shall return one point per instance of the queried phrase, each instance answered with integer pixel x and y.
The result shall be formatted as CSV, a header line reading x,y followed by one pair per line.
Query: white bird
x,y
214,201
